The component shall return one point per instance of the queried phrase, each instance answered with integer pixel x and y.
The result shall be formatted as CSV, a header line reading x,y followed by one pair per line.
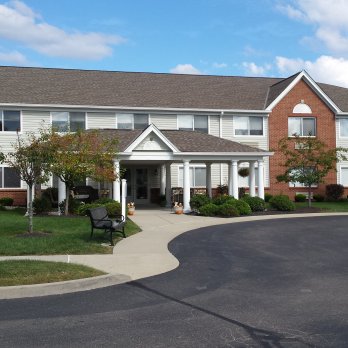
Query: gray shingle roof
x,y
127,89
185,141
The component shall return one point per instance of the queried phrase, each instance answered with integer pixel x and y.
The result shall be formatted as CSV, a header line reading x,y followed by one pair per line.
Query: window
x,y
298,184
10,121
63,121
197,176
132,121
344,127
301,126
193,122
344,176
245,125
9,178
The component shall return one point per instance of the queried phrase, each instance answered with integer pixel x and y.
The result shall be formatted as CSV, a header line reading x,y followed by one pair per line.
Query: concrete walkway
x,y
142,255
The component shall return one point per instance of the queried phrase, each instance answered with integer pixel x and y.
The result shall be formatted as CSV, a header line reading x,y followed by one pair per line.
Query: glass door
x,y
141,185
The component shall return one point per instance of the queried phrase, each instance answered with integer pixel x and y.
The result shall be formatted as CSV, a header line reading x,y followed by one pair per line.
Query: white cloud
x,y
20,23
256,70
325,69
13,58
219,65
185,69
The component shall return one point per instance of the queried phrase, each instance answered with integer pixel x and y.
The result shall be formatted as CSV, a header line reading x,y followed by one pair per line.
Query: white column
x,y
186,176
116,192
208,179
230,180
261,187
163,180
124,197
168,186
61,193
235,179
252,178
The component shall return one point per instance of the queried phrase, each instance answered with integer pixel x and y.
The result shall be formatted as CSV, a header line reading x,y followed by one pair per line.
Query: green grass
x,y
65,235
24,272
327,206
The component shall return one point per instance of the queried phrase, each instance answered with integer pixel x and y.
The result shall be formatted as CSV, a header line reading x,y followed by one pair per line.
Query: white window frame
x,y
193,121
339,123
193,179
301,126
343,167
3,180
2,131
68,112
132,118
248,121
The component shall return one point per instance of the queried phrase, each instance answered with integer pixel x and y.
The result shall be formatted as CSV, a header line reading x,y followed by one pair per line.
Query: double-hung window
x,y
197,176
9,178
132,121
248,125
193,122
10,121
302,126
343,127
344,176
63,121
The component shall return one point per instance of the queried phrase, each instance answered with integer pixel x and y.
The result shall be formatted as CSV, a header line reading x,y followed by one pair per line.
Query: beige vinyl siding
x,y
227,127
164,121
99,120
214,125
33,120
215,174
154,144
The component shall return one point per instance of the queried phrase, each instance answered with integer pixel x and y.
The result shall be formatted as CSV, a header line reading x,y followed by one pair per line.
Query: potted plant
x,y
178,208
131,208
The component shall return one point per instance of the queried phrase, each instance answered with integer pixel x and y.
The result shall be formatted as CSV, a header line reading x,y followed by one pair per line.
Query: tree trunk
x,y
30,209
309,196
67,194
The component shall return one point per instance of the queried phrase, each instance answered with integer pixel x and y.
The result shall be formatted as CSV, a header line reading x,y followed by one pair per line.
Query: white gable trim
x,y
150,129
304,75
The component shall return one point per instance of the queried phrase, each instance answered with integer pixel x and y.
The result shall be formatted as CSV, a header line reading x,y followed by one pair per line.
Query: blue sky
x,y
224,37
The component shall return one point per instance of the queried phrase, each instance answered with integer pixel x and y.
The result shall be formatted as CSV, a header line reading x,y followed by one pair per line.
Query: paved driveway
x,y
277,283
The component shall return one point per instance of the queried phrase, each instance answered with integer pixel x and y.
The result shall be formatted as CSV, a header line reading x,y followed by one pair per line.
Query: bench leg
x,y
90,237
111,240
124,234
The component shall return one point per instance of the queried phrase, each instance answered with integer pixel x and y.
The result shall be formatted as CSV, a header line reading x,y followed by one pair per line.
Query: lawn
x,y
340,206
24,272
64,235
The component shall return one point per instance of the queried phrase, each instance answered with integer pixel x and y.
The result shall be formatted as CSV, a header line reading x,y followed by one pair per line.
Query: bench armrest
x,y
119,218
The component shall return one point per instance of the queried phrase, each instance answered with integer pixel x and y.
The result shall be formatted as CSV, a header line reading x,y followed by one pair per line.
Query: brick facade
x,y
19,196
278,129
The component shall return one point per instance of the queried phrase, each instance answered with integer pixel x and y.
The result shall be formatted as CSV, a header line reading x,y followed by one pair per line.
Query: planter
x,y
131,211
178,210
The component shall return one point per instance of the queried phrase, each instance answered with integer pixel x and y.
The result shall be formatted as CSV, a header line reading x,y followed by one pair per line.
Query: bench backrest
x,y
96,214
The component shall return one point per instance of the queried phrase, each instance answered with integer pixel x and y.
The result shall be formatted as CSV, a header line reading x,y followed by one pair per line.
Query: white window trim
x,y
20,120
51,118
303,136
248,135
10,188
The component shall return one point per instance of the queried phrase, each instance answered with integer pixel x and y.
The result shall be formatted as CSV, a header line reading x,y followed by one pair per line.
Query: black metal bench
x,y
100,220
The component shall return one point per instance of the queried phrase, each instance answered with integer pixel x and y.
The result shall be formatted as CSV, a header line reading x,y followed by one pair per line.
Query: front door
x,y
141,185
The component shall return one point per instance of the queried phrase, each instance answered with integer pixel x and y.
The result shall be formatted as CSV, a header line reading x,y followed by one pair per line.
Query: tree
x,y
30,158
80,155
307,161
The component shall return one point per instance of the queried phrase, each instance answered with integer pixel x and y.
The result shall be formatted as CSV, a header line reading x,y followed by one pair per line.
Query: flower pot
x,y
131,211
178,210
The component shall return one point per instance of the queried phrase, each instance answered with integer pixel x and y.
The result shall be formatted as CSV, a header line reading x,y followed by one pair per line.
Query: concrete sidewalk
x,y
142,255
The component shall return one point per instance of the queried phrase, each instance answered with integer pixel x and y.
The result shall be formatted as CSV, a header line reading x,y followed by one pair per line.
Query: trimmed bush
x,y
300,198
282,203
51,193
255,203
6,201
318,197
268,196
228,209
104,200
334,192
74,205
243,207
198,201
209,209
113,208
222,199
42,205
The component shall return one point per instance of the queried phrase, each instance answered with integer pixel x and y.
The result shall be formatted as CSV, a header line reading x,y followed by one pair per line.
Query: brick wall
x,y
19,196
278,129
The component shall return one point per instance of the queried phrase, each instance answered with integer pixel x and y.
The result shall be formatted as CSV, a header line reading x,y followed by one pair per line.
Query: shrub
x,y
198,201
209,209
228,209
268,196
8,201
42,205
113,208
104,200
51,193
300,198
318,197
282,202
74,205
222,199
243,207
241,192
334,192
255,203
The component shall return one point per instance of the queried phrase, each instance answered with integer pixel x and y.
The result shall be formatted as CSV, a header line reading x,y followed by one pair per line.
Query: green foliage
x,y
282,203
221,199
209,209
319,198
243,207
113,208
241,192
222,189
255,203
268,196
42,205
6,201
198,201
334,192
228,209
104,200
300,197
243,172
74,205
51,193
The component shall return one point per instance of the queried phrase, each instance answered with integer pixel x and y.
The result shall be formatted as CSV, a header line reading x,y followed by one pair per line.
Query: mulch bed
x,y
304,210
